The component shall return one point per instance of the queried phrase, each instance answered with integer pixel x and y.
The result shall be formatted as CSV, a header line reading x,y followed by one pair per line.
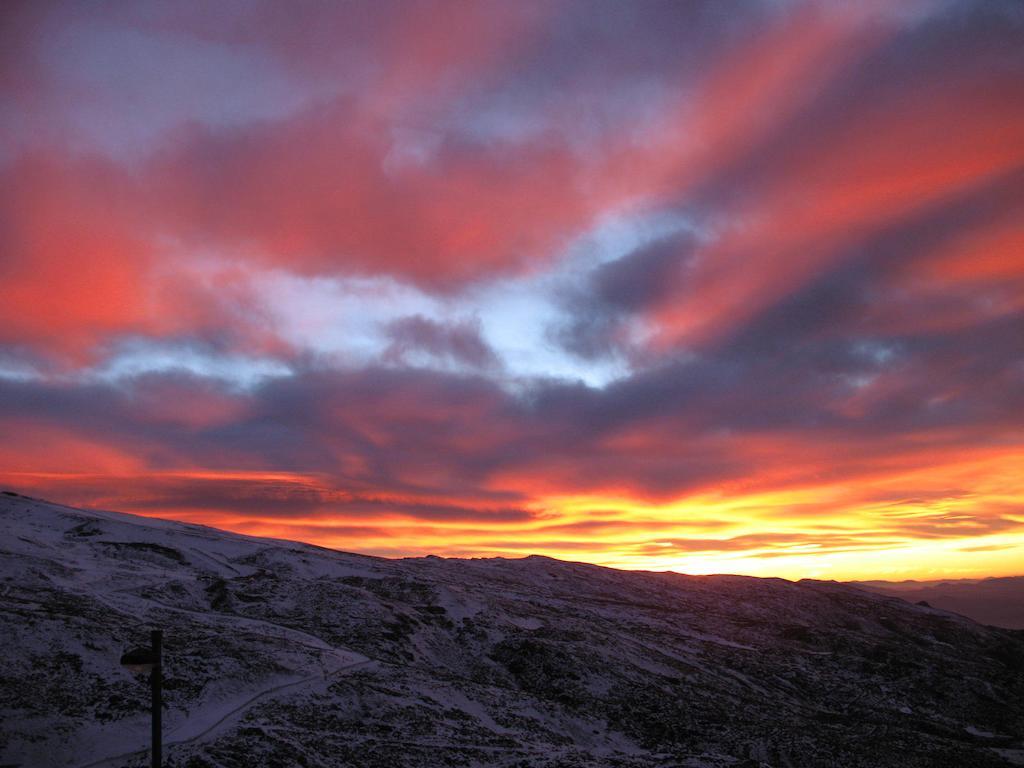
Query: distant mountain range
x,y
284,654
998,601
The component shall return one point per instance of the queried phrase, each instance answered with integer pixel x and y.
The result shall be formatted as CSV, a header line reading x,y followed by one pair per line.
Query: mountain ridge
x,y
284,653
995,600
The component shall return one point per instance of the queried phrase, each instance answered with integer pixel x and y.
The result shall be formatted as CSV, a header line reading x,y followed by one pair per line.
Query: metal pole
x,y
156,682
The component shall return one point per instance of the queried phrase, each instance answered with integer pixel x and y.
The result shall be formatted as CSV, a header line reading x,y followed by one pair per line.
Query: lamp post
x,y
151,660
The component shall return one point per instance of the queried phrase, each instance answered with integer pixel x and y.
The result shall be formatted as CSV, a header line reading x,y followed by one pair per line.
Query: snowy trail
x,y
265,694
231,715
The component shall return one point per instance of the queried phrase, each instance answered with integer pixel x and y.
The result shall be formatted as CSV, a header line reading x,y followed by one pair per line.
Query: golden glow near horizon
x,y
823,532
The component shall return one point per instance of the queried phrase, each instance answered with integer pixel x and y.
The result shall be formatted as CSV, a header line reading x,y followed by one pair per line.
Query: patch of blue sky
x,y
18,370
518,315
138,357
344,320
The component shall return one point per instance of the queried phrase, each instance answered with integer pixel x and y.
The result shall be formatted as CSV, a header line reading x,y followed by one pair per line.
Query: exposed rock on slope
x,y
282,654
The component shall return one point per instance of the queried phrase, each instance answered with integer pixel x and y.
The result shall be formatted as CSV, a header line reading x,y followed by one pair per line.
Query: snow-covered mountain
x,y
284,654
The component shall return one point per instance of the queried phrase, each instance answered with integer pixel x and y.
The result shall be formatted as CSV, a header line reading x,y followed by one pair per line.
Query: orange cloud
x,y
879,168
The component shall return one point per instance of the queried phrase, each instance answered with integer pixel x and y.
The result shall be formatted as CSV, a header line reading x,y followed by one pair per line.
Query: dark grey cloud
x,y
608,297
460,342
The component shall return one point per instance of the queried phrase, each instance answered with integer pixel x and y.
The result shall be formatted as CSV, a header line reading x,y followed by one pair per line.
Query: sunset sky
x,y
704,286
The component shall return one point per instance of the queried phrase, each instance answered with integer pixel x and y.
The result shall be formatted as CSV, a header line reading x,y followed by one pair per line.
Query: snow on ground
x,y
283,654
